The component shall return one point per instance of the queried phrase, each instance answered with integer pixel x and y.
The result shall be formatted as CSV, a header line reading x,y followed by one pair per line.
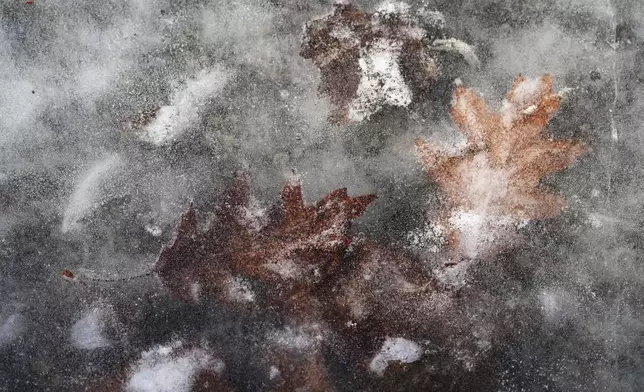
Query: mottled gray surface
x,y
74,73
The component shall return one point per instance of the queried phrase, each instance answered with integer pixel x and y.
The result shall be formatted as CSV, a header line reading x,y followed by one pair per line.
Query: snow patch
x,y
153,230
239,290
522,101
484,223
195,291
526,92
170,369
185,104
273,373
10,329
479,230
381,82
88,333
393,7
395,349
255,214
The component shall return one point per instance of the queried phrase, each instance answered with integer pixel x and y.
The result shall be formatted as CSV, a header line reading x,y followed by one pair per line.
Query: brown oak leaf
x,y
494,186
368,60
292,246
297,362
388,292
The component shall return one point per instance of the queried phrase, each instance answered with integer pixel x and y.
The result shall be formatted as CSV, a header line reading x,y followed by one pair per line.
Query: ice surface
x,y
84,198
220,86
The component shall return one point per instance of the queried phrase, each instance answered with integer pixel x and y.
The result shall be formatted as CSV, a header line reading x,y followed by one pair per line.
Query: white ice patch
x,y
239,290
185,104
343,33
195,291
482,225
485,185
395,349
10,329
393,7
526,91
479,230
88,332
549,303
153,230
429,238
381,82
274,372
83,200
595,221
164,369
255,214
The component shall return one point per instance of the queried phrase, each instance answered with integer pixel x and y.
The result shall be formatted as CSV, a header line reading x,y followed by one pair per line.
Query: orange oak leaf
x,y
495,184
294,245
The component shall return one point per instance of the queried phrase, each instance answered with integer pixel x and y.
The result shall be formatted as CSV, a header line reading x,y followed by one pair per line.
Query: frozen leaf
x,y
368,60
305,237
181,265
299,373
295,244
495,185
387,292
